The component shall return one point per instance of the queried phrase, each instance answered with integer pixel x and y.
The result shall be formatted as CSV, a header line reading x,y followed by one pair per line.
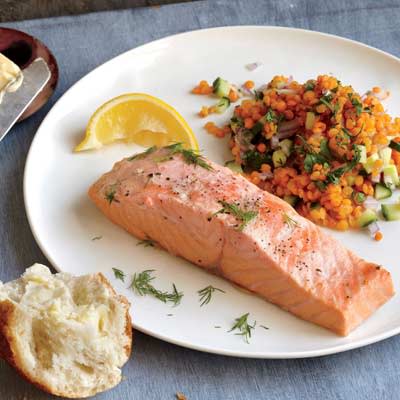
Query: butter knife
x,y
14,104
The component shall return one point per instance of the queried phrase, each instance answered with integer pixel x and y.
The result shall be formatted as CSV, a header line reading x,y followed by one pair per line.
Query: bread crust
x,y
9,349
123,300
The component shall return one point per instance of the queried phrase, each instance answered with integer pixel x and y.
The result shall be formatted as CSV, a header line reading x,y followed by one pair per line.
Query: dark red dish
x,y
22,49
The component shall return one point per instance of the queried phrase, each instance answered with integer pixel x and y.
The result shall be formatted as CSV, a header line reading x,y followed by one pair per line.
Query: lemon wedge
x,y
138,118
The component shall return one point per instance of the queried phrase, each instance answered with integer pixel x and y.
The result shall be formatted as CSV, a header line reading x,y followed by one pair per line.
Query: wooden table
x,y
17,10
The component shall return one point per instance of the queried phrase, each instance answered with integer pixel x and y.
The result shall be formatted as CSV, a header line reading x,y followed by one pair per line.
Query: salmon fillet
x,y
221,222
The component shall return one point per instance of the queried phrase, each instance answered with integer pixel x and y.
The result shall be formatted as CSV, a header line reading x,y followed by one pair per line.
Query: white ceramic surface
x,y
64,221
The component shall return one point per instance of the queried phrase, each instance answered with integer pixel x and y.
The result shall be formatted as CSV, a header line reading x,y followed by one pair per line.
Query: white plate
x,y
64,221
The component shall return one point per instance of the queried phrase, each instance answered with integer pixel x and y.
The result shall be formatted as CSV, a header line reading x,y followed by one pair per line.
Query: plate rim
x,y
183,343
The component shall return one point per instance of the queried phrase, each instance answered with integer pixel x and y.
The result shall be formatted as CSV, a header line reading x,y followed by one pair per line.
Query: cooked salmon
x,y
218,220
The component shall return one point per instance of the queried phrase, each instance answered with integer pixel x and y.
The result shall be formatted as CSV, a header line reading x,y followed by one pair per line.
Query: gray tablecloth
x,y
158,370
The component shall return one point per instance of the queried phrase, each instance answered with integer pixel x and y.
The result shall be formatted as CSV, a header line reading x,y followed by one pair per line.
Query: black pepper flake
x,y
378,267
149,175
167,178
199,261
318,270
209,219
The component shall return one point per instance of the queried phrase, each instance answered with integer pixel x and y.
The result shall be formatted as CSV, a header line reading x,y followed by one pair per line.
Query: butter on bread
x,y
70,336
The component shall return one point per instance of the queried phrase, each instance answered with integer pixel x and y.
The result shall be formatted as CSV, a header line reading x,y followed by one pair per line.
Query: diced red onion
x,y
253,66
373,228
376,178
275,141
382,95
262,88
289,125
247,92
266,175
371,202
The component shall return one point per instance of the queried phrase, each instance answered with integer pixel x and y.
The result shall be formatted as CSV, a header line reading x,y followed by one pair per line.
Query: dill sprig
x,y
142,155
243,326
110,193
206,294
190,156
289,221
146,243
141,283
231,208
119,274
96,238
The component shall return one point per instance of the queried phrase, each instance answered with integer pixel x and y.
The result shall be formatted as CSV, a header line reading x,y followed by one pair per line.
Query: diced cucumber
x,y
382,192
390,175
394,145
222,105
286,146
279,158
363,153
221,87
367,217
310,119
369,163
292,200
391,212
233,166
359,197
385,155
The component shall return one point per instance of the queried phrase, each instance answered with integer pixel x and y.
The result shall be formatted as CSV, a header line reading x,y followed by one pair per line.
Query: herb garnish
x,y
270,116
110,194
189,155
140,156
310,85
97,238
231,208
326,100
357,105
141,283
146,243
119,274
243,326
289,221
206,294
265,327
336,174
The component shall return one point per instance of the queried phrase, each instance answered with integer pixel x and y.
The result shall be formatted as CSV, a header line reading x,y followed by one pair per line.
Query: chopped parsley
x,y
231,208
206,294
119,274
97,238
310,85
335,175
253,159
326,100
243,326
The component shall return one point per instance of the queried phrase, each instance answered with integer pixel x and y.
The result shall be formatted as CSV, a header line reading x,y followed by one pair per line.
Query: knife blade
x,y
14,104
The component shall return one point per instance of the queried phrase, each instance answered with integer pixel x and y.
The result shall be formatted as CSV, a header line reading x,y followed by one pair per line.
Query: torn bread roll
x,y
68,335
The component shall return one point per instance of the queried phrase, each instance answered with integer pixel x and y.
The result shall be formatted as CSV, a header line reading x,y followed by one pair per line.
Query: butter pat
x,y
11,76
